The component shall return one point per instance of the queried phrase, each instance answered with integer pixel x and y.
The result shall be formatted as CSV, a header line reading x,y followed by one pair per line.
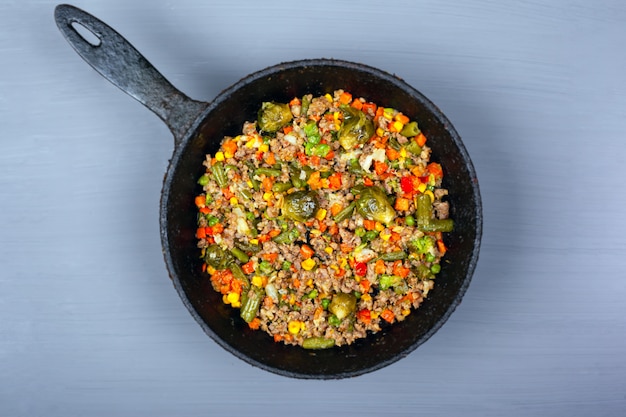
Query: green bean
x,y
425,222
287,236
318,343
437,225
239,254
393,143
251,303
270,172
281,187
354,167
345,213
245,194
393,256
239,274
266,268
248,247
219,174
306,102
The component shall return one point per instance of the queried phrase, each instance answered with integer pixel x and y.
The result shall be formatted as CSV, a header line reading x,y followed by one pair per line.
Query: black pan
x,y
198,128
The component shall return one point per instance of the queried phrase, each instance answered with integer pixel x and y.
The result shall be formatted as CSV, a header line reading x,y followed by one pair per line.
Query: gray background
x,y
90,324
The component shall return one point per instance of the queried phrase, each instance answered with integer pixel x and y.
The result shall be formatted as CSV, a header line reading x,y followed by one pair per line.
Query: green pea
x,y
435,269
409,221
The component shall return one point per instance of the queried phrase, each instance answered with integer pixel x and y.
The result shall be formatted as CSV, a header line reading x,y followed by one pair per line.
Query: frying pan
x,y
198,128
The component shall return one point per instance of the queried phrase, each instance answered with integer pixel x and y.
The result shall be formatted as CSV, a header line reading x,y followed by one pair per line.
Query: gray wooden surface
x,y
90,324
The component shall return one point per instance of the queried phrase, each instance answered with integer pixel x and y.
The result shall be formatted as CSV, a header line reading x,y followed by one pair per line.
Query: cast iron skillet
x,y
198,128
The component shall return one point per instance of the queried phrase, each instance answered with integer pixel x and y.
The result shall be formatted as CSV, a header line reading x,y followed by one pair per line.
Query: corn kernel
x,y
388,113
328,250
403,153
380,132
406,312
250,184
343,262
267,196
233,201
374,314
329,97
254,241
334,267
219,156
336,115
228,154
321,214
379,227
309,282
210,270
398,126
421,188
308,264
366,297
431,179
233,298
264,148
251,143
430,194
385,236
257,281
294,326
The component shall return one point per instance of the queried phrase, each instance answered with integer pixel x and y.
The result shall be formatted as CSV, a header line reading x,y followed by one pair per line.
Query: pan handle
x,y
120,63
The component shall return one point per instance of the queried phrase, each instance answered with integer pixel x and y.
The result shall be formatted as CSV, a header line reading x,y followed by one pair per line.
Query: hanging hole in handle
x,y
89,36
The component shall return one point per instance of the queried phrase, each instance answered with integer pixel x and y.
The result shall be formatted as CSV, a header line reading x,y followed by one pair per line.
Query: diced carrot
x,y
287,129
435,169
322,226
200,201
200,233
402,204
441,246
357,104
278,338
345,248
330,155
364,315
420,139
248,267
314,180
379,267
296,283
345,97
334,181
394,237
270,257
365,285
315,160
294,101
369,224
306,251
388,315
270,158
230,146
333,229
204,210
340,273
274,232
267,184
369,107
368,182
400,270
379,112
402,118
255,323
227,193
392,154
335,209
380,167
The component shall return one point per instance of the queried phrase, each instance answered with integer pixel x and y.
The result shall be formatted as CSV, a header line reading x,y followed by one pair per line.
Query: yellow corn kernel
x,y
219,156
267,196
343,262
264,148
431,179
430,194
379,227
328,250
228,154
316,232
254,241
385,236
398,126
397,229
294,326
309,282
406,312
210,270
308,264
225,299
251,143
250,184
388,113
421,188
257,281
334,267
233,201
374,314
233,298
380,132
321,214
336,115
366,297
403,153
329,97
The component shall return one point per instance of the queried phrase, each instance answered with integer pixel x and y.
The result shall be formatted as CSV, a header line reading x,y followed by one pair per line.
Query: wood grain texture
x,y
90,323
